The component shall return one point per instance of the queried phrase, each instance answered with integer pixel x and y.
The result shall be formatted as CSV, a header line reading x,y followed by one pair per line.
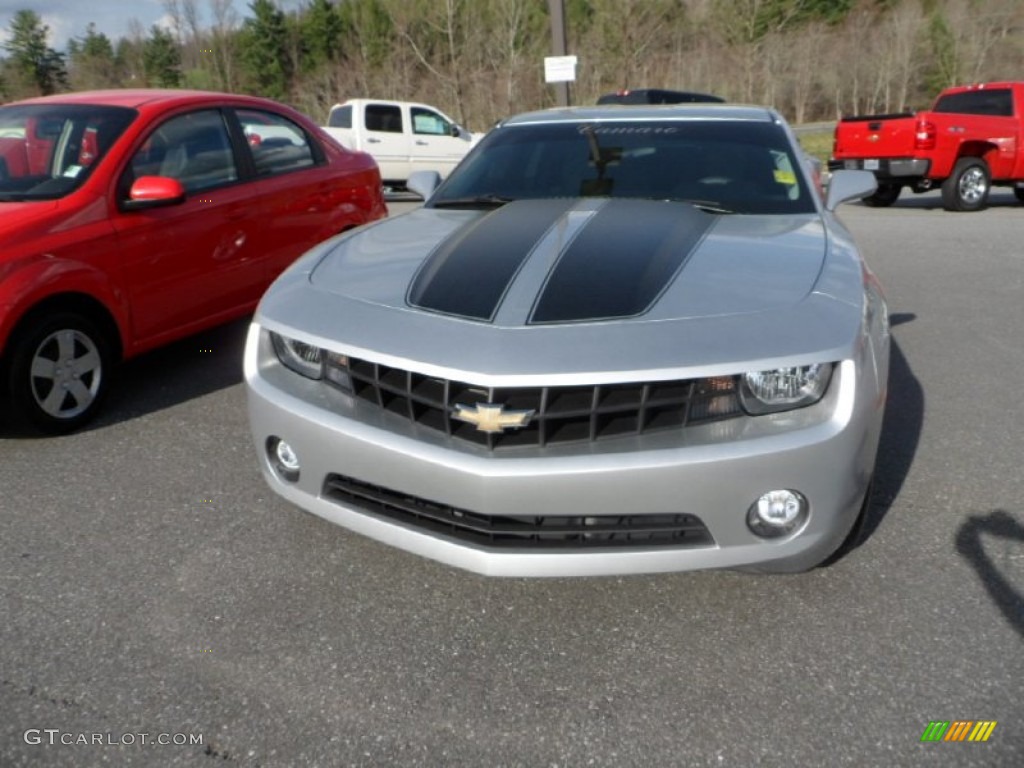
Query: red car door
x,y
195,263
304,199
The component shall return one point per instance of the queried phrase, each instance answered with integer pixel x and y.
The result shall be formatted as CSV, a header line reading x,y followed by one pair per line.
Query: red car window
x,y
278,145
193,148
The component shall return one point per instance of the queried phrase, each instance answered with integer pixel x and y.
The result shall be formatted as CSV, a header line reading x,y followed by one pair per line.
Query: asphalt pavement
x,y
150,584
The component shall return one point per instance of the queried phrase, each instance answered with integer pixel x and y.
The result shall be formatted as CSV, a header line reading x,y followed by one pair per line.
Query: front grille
x,y
548,532
559,414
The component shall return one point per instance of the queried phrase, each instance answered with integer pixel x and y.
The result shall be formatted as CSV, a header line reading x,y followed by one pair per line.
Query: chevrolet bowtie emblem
x,y
491,417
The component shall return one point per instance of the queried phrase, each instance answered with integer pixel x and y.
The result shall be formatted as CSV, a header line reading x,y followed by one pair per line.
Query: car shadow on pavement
x,y
901,432
998,524
186,369
168,376
932,201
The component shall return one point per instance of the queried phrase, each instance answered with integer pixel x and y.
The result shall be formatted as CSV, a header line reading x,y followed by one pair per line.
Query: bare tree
x,y
802,63
434,34
222,42
979,31
194,49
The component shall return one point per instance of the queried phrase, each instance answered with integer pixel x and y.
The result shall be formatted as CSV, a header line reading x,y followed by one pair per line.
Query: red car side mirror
x,y
153,191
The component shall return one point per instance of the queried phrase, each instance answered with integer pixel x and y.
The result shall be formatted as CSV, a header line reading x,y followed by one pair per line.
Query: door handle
x,y
372,140
421,143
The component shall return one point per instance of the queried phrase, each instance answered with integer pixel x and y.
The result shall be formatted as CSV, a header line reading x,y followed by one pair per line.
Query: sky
x,y
69,18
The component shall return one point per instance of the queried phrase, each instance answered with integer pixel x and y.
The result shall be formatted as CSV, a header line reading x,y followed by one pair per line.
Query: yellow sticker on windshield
x,y
785,177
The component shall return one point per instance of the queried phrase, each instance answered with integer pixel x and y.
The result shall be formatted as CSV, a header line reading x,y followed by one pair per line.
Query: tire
x,y
858,530
1018,192
58,372
884,196
967,189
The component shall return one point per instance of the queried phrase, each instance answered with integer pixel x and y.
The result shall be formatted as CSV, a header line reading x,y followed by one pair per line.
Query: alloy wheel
x,y
66,373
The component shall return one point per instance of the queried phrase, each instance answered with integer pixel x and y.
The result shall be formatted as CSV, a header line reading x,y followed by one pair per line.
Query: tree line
x,y
480,60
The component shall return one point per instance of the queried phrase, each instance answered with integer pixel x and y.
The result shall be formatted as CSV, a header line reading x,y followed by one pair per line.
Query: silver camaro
x,y
615,340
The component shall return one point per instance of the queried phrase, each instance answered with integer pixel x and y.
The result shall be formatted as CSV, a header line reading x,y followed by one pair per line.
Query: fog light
x,y
777,513
283,458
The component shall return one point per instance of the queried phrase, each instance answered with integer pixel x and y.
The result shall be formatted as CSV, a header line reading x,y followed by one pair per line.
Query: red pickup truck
x,y
971,139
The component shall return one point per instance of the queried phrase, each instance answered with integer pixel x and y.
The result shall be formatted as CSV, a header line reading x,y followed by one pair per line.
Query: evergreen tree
x,y
367,27
129,60
40,67
264,48
321,30
945,65
92,61
161,59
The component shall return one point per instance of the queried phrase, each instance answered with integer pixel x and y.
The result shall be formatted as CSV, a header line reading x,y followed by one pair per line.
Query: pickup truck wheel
x,y
967,189
1018,192
884,196
58,372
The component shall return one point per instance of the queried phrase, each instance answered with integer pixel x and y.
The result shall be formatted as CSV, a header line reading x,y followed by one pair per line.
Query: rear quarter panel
x,y
996,139
308,206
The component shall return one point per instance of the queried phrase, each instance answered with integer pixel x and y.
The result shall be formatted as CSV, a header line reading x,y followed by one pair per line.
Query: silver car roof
x,y
652,112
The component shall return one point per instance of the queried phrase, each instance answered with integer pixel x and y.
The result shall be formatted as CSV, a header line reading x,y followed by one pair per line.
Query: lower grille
x,y
547,532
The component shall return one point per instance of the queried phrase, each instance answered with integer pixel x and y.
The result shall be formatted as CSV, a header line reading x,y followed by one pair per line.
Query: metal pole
x,y
559,45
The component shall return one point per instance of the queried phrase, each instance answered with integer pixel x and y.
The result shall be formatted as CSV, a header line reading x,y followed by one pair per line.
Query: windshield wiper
x,y
708,206
484,201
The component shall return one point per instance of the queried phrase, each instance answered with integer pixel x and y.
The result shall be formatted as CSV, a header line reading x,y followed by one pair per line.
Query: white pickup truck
x,y
401,136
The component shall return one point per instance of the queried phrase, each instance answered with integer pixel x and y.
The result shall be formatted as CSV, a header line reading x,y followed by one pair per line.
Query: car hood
x,y
537,262
607,287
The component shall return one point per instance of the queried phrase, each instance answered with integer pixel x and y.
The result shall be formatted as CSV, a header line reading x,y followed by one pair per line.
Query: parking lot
x,y
152,584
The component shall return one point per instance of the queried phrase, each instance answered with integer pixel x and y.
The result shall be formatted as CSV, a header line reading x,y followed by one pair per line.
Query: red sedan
x,y
132,218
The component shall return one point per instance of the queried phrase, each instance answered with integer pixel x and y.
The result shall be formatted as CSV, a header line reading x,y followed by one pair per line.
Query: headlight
x,y
304,359
783,389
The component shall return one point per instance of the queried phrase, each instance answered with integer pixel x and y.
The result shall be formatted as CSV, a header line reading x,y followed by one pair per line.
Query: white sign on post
x,y
559,69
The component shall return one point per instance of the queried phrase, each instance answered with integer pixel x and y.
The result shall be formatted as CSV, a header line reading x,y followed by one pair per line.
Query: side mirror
x,y
454,130
849,185
153,192
423,183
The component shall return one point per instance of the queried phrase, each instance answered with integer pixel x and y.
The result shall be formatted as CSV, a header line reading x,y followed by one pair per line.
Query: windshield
x,y
48,150
724,166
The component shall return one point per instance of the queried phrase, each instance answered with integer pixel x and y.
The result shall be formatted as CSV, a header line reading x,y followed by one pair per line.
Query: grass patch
x,y
818,144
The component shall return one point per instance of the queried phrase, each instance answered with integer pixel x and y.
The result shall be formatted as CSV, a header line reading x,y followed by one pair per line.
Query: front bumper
x,y
895,168
714,473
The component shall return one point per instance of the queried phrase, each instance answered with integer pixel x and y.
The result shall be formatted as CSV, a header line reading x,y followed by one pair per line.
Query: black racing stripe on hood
x,y
468,273
621,261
